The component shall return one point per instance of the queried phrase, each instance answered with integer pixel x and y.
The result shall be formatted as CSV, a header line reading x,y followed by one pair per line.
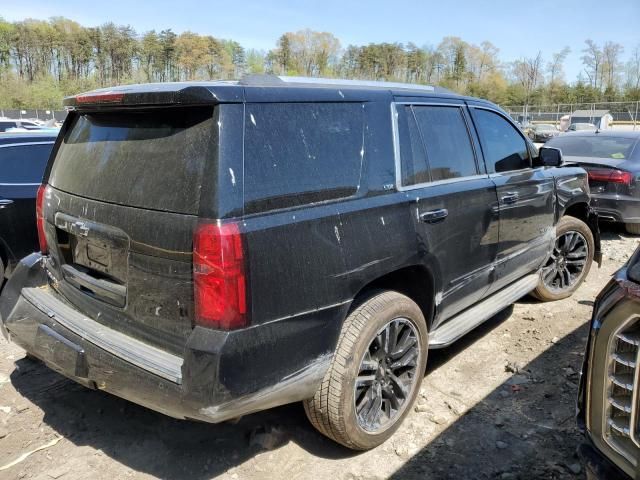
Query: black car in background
x,y
609,398
7,123
542,132
612,160
23,158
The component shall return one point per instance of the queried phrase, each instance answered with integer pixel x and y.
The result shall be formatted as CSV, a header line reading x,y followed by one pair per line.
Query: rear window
x,y
594,147
24,163
147,158
301,153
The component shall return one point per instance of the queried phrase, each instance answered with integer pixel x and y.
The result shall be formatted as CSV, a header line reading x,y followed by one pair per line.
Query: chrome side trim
x,y
22,144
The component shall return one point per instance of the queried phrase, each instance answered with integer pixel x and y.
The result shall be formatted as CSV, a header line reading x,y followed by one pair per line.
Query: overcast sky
x,y
518,28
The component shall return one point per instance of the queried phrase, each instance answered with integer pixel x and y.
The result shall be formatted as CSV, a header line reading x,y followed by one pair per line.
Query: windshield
x,y
545,127
145,158
594,147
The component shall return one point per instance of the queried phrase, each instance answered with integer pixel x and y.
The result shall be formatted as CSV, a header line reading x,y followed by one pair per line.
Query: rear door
x,y
453,200
121,207
526,197
21,168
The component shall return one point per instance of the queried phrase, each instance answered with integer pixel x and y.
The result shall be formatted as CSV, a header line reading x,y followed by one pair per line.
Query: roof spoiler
x,y
154,94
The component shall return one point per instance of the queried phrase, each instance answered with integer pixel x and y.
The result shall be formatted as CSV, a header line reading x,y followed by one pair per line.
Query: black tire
x,y
566,230
1,271
332,410
632,228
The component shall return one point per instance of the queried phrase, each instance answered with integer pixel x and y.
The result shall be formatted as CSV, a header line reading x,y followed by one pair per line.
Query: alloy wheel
x,y
387,375
567,261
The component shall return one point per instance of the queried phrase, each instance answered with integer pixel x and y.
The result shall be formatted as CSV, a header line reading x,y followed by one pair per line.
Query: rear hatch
x,y
121,206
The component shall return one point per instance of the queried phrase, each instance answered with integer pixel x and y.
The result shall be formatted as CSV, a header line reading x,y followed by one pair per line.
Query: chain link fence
x,y
39,114
625,114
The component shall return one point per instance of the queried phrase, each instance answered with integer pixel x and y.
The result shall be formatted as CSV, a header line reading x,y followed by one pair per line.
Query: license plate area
x,y
60,353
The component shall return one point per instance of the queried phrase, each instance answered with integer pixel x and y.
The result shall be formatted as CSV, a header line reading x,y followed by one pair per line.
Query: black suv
x,y
215,249
23,158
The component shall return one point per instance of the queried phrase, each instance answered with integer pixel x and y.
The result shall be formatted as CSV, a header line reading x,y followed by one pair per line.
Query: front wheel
x,y
375,374
569,262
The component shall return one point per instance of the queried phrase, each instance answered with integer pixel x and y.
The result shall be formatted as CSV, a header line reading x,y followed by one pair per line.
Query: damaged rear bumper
x,y
222,375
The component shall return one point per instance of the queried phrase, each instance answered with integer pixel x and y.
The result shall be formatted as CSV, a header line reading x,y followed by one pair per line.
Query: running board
x,y
469,319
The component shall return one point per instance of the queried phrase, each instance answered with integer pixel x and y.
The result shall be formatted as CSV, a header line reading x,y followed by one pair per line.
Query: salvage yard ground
x,y
499,404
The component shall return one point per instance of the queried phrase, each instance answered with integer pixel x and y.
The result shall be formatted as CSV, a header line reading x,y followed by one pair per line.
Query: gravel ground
x,y
499,403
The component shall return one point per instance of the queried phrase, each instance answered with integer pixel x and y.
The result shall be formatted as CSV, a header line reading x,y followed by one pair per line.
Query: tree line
x,y
41,61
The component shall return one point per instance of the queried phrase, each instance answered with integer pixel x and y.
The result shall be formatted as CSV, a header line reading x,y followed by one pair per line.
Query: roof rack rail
x,y
281,80
357,83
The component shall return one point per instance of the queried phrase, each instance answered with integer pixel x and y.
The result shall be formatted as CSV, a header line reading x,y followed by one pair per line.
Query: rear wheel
x,y
375,374
1,271
569,262
632,228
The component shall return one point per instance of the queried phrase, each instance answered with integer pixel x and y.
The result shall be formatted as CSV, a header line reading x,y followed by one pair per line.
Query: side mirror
x,y
550,157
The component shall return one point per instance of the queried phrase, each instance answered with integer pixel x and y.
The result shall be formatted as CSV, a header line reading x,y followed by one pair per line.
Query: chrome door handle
x,y
510,197
5,202
434,216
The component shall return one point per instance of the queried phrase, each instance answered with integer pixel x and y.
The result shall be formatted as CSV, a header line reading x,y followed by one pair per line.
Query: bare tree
x,y
555,66
592,60
633,69
611,64
527,73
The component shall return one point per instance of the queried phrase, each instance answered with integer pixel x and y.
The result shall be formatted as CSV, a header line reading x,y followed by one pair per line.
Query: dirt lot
x,y
498,404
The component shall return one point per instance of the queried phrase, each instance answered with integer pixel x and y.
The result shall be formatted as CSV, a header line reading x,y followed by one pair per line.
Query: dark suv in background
x,y
23,158
214,249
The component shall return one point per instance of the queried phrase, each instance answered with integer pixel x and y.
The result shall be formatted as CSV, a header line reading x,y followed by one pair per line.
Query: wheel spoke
x,y
406,360
374,411
365,380
550,274
400,386
406,341
365,401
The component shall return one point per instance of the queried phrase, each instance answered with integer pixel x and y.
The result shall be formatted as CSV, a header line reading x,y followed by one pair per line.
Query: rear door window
x,y
301,153
143,158
434,144
24,163
446,140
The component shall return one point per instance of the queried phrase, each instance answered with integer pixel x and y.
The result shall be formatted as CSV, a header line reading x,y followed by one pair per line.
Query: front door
x,y
453,202
525,195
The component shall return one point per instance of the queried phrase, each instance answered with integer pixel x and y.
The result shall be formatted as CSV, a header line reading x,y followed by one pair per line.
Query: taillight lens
x,y
220,292
610,175
100,97
42,239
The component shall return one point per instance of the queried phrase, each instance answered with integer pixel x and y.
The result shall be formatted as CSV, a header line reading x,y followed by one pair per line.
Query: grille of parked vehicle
x,y
621,429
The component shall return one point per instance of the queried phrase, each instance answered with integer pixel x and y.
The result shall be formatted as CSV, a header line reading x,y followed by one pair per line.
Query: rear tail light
x,y
610,175
219,276
42,239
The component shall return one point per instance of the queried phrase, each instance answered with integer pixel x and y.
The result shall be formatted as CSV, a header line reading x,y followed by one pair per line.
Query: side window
x,y
23,163
5,125
446,140
413,159
301,153
504,148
